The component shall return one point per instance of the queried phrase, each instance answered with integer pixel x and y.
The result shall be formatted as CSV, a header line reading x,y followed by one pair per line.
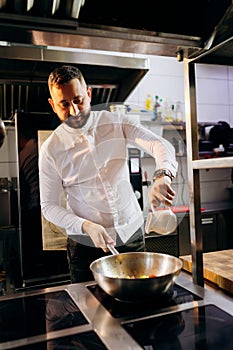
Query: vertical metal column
x,y
193,174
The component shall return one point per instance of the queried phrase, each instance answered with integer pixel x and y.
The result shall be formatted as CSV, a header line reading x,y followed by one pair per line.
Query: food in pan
x,y
142,276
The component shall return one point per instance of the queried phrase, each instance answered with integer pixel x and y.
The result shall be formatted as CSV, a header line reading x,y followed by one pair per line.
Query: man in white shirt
x,y
86,157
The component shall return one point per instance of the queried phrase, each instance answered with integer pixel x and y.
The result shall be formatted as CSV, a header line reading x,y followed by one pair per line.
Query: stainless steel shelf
x,y
211,163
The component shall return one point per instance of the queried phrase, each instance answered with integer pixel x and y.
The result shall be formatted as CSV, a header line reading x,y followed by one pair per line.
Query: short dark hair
x,y
63,74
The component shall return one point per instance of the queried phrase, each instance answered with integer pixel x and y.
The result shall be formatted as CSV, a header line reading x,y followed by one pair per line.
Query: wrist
x,y
161,173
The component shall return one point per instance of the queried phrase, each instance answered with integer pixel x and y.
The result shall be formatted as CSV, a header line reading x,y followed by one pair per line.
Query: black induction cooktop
x,y
177,295
199,328
83,317
84,341
38,314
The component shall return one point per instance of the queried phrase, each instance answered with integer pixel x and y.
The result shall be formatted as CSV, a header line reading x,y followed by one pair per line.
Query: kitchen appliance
x,y
5,218
135,172
83,316
38,266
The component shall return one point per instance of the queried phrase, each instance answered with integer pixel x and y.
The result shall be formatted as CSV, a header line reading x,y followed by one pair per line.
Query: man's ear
x,y
50,100
89,91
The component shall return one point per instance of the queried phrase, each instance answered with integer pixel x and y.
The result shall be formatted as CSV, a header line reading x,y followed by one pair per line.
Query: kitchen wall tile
x,y
166,78
208,195
8,155
4,170
213,113
4,151
222,174
166,66
231,115
134,97
212,91
231,92
13,169
163,86
211,71
230,72
214,183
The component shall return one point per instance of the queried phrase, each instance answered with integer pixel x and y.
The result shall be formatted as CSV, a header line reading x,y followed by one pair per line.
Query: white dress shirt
x,y
90,165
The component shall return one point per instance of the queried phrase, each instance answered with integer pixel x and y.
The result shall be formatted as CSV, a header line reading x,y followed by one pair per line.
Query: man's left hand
x,y
161,192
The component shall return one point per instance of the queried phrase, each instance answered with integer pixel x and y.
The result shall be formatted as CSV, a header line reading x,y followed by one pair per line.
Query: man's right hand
x,y
98,235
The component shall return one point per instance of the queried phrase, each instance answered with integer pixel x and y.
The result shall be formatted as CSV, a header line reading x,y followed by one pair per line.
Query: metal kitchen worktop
x,y
96,319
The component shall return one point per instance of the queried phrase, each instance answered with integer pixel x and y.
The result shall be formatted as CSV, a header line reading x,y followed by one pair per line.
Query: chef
x,y
85,158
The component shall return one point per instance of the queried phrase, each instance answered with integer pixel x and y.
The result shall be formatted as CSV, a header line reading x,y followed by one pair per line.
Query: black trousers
x,y
81,256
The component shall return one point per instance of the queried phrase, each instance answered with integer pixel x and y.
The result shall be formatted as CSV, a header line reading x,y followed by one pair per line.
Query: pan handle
x,y
112,249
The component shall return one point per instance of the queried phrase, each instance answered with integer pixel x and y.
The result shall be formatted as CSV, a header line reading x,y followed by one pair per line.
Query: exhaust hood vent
x,y
46,8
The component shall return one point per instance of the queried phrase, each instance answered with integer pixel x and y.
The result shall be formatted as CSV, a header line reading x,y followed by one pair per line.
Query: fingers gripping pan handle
x,y
112,249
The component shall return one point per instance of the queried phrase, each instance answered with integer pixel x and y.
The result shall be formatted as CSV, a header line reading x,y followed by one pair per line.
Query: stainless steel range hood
x,y
28,28
24,72
157,28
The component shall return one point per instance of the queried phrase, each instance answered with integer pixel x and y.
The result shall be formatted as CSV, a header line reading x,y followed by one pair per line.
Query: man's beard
x,y
79,120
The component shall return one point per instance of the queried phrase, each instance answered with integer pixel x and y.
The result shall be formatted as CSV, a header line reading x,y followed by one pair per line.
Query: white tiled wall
x,y
166,79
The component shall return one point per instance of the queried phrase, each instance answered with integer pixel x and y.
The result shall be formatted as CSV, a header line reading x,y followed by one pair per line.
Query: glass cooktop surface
x,y
177,295
38,314
84,341
199,328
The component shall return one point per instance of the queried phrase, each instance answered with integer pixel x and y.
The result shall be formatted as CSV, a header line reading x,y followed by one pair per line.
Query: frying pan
x,y
114,274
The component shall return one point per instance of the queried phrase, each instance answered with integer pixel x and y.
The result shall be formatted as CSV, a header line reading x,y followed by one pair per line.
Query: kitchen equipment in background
x,y
123,275
5,205
38,266
121,108
230,190
221,134
8,204
218,134
135,172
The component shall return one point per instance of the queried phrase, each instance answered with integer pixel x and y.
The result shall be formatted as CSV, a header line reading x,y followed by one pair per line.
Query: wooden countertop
x,y
218,267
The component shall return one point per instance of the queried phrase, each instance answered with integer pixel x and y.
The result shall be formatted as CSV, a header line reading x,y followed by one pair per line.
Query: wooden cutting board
x,y
218,267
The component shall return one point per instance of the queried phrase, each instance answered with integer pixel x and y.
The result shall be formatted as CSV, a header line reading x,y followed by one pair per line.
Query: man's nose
x,y
74,110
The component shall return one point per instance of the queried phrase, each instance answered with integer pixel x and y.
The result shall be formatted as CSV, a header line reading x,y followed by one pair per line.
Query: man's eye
x,y
77,102
65,104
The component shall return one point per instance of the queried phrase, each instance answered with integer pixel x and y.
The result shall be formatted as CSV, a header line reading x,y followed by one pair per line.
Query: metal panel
x,y
26,70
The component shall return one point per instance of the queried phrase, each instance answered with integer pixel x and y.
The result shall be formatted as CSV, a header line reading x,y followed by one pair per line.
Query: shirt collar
x,y
75,134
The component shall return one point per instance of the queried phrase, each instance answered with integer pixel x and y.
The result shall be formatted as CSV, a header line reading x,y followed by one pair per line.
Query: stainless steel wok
x,y
113,274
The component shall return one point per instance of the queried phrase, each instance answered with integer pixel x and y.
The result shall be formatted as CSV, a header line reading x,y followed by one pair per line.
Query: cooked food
x,y
142,276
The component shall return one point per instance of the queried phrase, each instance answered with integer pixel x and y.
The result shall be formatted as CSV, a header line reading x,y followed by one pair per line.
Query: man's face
x,y
71,99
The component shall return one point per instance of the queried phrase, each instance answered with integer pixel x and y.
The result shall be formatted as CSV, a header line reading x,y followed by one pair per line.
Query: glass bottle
x,y
179,116
148,102
156,109
168,111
